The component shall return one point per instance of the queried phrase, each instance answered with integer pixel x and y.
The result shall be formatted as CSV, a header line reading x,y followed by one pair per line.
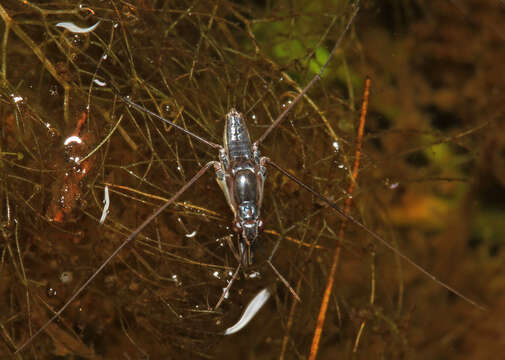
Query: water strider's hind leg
x,y
132,236
267,161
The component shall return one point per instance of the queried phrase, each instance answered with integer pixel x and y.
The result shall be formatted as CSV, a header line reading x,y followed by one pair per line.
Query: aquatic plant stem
x,y
336,255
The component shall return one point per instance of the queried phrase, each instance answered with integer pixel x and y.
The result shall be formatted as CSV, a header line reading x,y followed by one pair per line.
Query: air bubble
x,y
53,90
66,277
16,98
255,274
394,185
51,292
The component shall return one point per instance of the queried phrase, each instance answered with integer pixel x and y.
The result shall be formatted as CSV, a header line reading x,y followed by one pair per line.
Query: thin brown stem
x,y
336,255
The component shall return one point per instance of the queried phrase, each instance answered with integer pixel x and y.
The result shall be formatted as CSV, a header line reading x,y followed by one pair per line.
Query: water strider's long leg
x,y
277,272
153,114
115,252
311,83
265,134
284,281
268,161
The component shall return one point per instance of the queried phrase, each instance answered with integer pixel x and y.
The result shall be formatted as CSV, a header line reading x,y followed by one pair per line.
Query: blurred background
x,y
431,180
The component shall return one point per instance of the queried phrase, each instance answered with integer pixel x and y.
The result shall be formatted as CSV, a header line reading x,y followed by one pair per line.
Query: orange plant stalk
x,y
336,255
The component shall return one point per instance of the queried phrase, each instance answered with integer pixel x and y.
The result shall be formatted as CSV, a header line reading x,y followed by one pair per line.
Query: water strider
x,y
241,172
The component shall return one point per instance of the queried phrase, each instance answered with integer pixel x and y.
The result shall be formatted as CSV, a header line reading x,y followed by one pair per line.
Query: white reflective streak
x,y
17,98
254,306
72,139
106,200
70,26
99,83
191,235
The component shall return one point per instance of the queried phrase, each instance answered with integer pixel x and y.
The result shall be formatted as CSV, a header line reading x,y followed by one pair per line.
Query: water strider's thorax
x,y
241,177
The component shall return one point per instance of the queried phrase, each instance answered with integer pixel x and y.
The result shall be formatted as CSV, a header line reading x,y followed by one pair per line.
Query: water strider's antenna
x,y
153,114
316,78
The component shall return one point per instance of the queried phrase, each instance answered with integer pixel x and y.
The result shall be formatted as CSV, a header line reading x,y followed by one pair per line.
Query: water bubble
x,y
254,274
16,98
53,90
51,292
66,277
176,280
77,40
336,146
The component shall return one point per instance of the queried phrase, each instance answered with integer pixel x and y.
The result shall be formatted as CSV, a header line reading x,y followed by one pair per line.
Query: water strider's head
x,y
249,225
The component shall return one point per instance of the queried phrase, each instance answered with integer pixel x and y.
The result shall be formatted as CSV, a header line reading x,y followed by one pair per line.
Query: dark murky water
x,y
431,181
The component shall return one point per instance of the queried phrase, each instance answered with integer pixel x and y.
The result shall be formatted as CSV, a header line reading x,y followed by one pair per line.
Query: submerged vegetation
x,y
431,179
